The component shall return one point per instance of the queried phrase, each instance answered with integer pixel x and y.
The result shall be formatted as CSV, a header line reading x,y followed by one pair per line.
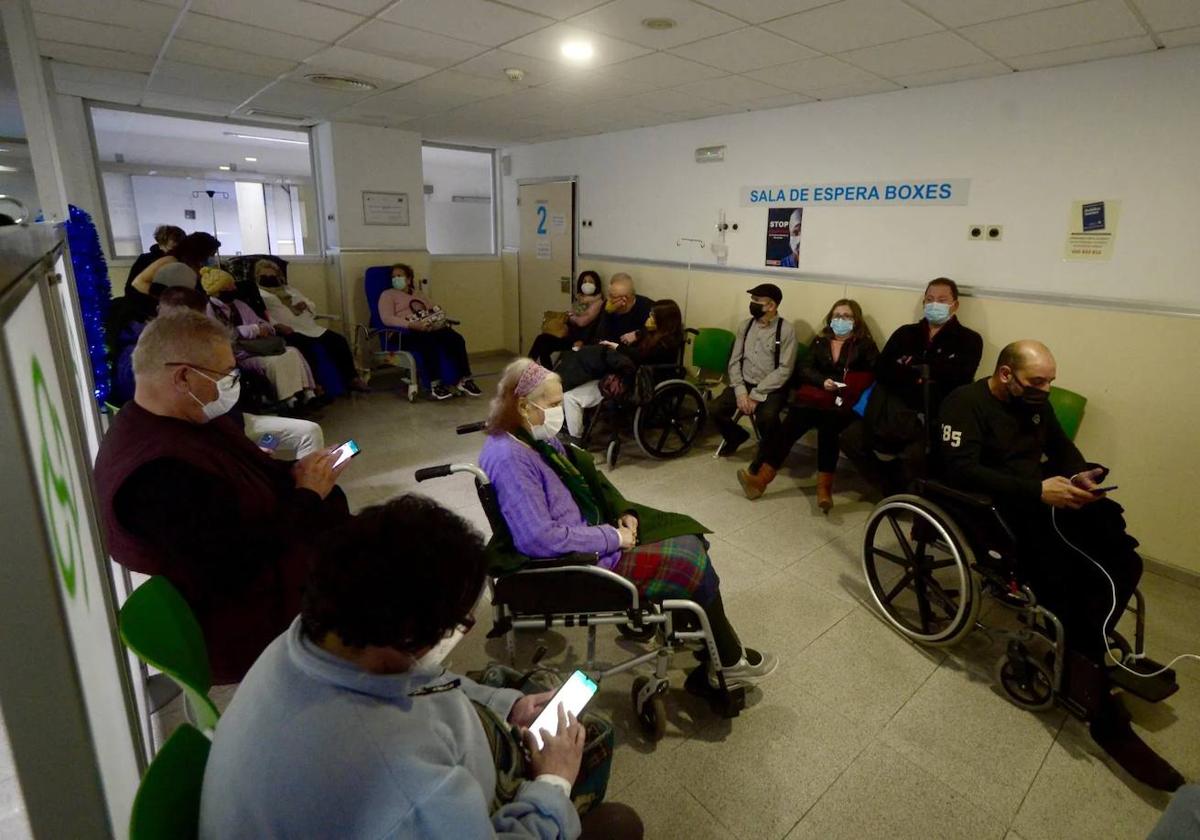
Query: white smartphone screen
x,y
572,696
345,452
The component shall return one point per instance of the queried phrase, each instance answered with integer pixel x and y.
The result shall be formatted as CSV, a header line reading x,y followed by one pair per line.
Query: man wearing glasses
x,y
185,494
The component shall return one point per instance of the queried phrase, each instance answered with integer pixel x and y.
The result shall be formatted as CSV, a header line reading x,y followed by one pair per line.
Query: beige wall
x,y
1134,369
510,301
472,292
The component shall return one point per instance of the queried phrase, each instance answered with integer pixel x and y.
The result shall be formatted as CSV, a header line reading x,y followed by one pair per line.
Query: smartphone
x,y
345,452
840,385
572,696
1108,489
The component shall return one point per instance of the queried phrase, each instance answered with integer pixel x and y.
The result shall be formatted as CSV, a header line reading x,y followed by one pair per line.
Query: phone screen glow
x,y
573,696
345,452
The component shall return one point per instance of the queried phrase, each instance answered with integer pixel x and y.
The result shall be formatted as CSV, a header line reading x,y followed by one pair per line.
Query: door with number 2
x,y
547,258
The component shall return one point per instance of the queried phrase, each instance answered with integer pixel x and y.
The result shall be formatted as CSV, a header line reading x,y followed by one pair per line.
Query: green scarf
x,y
576,483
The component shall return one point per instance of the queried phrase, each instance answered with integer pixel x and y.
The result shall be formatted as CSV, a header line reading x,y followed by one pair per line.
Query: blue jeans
x,y
441,355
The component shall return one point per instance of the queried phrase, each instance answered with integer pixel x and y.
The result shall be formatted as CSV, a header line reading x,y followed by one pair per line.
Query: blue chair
x,y
389,353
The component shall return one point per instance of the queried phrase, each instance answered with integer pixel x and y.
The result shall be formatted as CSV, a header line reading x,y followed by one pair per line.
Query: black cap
x,y
767,290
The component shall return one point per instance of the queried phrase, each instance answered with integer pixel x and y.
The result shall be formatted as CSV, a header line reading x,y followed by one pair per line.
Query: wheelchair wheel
x,y
920,570
1026,682
653,714
612,453
668,425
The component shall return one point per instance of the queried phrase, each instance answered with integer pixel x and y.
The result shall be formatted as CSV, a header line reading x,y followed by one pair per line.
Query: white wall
x,y
252,217
122,212
1031,143
372,159
165,201
457,227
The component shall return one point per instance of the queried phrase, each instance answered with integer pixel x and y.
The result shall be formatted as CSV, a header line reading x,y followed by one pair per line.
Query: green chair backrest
x,y
167,804
1068,408
158,625
711,349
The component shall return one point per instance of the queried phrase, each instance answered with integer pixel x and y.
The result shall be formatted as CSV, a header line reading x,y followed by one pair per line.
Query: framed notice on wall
x,y
385,208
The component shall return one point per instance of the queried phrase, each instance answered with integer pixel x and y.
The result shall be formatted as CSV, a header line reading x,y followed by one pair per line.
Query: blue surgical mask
x,y
937,313
842,327
400,283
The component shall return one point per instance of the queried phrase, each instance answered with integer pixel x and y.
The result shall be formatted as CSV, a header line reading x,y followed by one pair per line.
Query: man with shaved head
x,y
1000,436
625,313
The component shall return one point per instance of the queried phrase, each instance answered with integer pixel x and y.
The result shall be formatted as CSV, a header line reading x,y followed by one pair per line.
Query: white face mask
x,y
794,242
229,388
588,288
552,422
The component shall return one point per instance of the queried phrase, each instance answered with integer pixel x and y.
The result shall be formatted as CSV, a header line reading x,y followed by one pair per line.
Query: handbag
x,y
555,324
271,345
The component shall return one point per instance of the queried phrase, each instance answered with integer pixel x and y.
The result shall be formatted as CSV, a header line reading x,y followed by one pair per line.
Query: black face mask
x,y
270,280
1030,397
756,310
227,296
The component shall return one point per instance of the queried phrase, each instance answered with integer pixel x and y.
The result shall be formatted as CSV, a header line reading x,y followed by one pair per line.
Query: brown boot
x,y
755,484
825,491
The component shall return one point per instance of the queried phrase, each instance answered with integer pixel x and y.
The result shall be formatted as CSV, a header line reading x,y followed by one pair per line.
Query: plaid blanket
x,y
677,567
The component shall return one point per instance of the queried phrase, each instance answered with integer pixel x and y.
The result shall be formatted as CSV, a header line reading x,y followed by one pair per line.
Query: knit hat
x,y
215,280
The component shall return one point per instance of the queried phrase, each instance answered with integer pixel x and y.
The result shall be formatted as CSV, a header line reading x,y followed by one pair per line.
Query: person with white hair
x,y
184,494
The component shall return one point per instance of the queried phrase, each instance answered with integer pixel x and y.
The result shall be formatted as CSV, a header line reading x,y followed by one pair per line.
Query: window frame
x,y
109,245
495,184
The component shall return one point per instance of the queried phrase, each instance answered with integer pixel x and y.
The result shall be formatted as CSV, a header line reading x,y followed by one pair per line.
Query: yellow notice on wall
x,y
1092,231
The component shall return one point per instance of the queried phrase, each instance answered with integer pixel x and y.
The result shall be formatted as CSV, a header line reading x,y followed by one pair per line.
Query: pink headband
x,y
531,378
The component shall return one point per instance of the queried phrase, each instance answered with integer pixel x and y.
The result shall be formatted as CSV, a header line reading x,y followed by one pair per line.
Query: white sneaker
x,y
752,667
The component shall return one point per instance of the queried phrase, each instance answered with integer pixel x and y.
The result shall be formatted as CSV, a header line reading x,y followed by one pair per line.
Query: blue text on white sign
x,y
929,192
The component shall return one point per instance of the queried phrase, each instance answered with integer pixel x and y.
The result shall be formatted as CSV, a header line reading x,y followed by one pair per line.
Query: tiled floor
x,y
860,734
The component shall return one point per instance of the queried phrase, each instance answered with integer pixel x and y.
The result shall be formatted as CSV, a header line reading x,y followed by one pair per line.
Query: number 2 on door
x,y
541,214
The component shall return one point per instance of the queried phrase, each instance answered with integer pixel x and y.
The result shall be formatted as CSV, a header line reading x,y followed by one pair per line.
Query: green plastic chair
x,y
158,625
167,804
711,349
1068,408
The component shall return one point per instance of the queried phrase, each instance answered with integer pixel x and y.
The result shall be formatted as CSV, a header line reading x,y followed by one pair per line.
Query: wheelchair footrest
x,y
1151,689
728,703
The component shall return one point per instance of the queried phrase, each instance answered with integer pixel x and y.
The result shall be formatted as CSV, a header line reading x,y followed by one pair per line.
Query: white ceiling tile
x,y
66,72
295,17
134,14
955,74
1181,37
90,34
206,82
469,20
597,85
557,9
348,62
664,70
367,8
528,102
623,19
1090,52
936,51
782,101
757,11
734,90
1164,15
96,57
547,44
716,110
186,105
851,24
100,93
671,101
492,64
451,82
855,89
745,49
965,12
813,73
379,109
239,36
300,98
408,44
1092,22
211,55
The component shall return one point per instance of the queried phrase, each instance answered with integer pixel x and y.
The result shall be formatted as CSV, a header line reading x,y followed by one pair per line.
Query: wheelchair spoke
x,y
923,608
942,597
887,555
941,564
900,538
898,588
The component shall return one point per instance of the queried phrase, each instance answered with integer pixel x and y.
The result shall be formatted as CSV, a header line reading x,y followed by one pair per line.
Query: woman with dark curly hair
x,y
348,726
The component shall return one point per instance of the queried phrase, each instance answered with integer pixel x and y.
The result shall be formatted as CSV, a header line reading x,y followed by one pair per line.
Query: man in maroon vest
x,y
186,495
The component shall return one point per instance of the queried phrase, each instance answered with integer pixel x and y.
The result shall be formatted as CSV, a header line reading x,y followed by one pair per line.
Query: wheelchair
x,y
930,556
572,591
664,423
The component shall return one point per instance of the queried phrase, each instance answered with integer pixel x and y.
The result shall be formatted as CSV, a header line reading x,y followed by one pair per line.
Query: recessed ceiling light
x,y
225,167
340,82
515,74
8,169
658,23
269,139
578,50
251,160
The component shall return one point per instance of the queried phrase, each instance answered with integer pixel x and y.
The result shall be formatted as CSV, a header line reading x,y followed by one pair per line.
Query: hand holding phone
x,y
572,697
1099,490
345,452
611,345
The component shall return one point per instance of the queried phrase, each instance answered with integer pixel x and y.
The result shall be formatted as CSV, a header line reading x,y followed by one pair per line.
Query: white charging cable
x,y
1103,631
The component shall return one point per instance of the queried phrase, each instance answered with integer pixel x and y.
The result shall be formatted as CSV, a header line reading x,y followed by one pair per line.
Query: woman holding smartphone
x,y
836,371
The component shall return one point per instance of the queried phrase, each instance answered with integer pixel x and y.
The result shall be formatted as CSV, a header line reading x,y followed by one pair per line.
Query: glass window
x,y
249,186
459,214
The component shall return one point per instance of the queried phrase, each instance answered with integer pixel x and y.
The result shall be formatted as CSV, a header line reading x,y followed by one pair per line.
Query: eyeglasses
x,y
235,372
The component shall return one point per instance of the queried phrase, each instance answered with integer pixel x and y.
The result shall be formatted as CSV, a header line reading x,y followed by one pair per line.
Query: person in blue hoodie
x,y
348,725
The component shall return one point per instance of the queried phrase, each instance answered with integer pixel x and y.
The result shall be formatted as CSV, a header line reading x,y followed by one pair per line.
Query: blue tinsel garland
x,y
95,294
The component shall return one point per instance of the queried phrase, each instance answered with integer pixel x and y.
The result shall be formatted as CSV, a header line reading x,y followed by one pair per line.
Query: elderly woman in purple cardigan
x,y
552,509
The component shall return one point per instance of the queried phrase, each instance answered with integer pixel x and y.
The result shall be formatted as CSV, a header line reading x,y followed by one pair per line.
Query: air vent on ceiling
x,y
276,115
471,199
339,82
658,24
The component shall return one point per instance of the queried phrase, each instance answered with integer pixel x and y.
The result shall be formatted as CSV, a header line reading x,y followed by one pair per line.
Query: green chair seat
x,y
167,804
1068,408
157,624
711,349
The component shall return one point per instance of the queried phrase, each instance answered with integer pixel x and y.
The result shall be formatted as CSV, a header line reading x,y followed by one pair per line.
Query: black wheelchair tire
x,y
970,596
1036,694
656,442
653,715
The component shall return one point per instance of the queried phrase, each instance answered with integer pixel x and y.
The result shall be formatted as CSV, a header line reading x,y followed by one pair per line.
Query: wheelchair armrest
x,y
575,559
979,501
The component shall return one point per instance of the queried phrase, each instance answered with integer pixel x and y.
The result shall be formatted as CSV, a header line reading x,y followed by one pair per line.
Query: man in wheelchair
x,y
1000,437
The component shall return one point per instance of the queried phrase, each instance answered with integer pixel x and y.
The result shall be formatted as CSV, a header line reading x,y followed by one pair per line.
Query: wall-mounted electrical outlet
x,y
995,233
975,232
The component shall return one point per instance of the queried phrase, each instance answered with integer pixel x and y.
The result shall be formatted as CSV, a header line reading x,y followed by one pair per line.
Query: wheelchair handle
x,y
468,428
443,470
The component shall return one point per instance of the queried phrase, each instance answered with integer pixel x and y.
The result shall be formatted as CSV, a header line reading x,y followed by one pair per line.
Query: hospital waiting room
x,y
604,419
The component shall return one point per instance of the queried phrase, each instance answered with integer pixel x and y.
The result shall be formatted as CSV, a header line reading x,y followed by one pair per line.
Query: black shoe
x,y
731,446
1111,730
468,387
440,392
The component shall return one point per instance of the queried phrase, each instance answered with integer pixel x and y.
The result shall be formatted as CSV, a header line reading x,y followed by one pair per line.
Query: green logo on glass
x,y
58,495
